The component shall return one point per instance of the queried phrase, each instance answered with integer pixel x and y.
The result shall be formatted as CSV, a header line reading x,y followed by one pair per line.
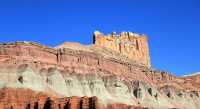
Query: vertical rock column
x,y
85,103
74,103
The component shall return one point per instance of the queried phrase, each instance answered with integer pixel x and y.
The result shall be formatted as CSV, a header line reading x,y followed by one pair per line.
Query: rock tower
x,y
133,46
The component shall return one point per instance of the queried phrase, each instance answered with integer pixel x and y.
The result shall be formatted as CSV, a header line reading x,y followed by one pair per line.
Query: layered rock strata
x,y
85,75
28,99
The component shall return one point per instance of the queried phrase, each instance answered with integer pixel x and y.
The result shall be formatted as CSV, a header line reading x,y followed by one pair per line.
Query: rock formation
x,y
28,99
99,76
129,44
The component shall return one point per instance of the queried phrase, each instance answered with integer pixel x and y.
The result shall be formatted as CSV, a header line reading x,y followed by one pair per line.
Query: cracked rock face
x,y
73,76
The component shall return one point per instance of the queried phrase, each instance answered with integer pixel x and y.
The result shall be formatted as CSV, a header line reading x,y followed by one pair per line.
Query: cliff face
x,y
28,99
132,45
86,77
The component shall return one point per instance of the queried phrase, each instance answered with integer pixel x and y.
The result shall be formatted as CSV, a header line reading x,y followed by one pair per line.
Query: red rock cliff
x,y
110,70
132,45
28,99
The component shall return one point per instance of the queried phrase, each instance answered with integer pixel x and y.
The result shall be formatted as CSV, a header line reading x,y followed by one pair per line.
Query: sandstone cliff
x,y
132,45
28,99
87,77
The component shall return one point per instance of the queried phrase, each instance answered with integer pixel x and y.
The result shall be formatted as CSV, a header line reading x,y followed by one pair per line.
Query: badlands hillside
x,y
112,73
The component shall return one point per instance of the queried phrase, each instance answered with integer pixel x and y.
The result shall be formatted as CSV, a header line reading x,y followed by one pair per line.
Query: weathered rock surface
x,y
132,45
28,99
88,77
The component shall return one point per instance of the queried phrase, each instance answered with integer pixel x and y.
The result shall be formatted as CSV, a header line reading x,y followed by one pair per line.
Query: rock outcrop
x,y
74,76
28,99
132,45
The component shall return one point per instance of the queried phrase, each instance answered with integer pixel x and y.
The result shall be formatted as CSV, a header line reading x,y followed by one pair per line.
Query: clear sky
x,y
173,26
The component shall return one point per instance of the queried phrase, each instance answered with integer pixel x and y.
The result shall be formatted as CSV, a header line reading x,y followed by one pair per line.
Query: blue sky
x,y
173,26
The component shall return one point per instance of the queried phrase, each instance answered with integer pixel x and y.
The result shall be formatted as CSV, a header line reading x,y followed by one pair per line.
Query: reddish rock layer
x,y
28,99
41,58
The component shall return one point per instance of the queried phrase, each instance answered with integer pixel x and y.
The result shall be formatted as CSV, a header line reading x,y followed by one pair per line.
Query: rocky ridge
x,y
94,72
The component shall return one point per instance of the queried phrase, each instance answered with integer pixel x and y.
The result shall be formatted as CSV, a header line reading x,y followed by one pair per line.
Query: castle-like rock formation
x,y
132,45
